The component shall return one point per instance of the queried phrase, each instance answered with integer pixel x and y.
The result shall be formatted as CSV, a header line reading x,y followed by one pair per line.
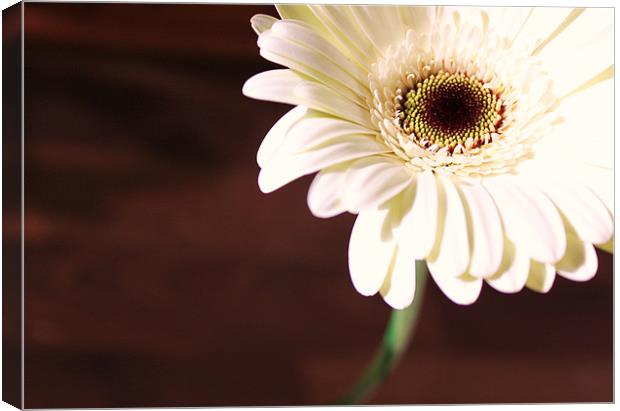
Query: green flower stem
x,y
395,341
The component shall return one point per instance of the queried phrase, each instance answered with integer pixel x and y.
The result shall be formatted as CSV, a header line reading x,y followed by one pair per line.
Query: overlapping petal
x,y
373,180
274,139
371,250
530,219
295,45
282,169
325,192
513,270
462,290
484,228
286,86
589,36
541,277
580,262
398,288
450,257
422,220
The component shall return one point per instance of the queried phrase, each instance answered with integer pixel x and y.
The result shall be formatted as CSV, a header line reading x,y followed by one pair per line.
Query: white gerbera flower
x,y
479,140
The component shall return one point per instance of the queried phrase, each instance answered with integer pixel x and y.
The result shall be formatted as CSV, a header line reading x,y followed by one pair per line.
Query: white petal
x,y
389,20
603,76
314,130
540,25
583,209
325,193
450,257
591,38
599,180
301,12
282,169
586,134
462,290
302,33
276,47
486,227
419,18
454,15
588,127
530,220
343,26
262,22
373,180
398,288
507,21
276,136
371,249
381,25
273,85
324,99
541,277
399,208
580,262
286,86
513,270
422,219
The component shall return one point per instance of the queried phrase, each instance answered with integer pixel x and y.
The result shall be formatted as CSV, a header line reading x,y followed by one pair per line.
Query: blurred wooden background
x,y
157,274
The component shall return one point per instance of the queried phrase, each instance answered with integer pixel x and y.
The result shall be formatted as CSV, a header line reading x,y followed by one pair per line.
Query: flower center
x,y
452,111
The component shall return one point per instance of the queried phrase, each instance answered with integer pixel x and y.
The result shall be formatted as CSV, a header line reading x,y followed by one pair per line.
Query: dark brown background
x,y
157,274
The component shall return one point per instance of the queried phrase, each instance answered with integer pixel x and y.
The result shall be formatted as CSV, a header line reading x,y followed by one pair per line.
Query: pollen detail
x,y
451,113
